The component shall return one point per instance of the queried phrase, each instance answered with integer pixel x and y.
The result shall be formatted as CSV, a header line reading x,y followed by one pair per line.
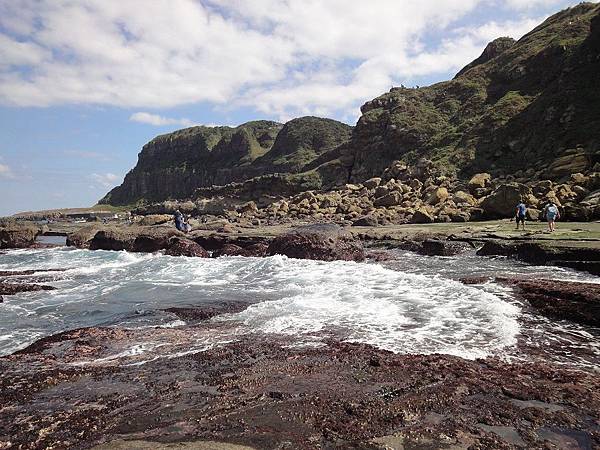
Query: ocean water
x,y
413,304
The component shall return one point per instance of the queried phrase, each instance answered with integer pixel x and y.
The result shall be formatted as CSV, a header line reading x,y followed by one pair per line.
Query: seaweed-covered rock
x,y
185,247
326,242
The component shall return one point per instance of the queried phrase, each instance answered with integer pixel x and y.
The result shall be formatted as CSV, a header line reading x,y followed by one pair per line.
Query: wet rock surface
x,y
556,299
134,239
15,235
326,242
438,247
577,302
15,288
68,390
185,247
580,257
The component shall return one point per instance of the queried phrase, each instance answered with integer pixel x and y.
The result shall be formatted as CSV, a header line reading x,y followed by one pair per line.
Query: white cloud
x,y
529,4
6,172
155,119
106,180
281,57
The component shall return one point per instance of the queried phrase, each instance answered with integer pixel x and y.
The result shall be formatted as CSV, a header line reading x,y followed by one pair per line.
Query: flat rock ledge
x,y
326,242
556,299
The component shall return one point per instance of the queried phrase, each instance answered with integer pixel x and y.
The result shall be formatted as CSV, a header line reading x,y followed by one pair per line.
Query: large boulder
x,y
592,199
438,196
422,215
392,199
185,247
463,198
503,201
17,235
325,242
134,239
82,237
479,181
571,161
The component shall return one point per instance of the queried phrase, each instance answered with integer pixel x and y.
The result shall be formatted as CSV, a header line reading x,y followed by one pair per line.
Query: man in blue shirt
x,y
520,214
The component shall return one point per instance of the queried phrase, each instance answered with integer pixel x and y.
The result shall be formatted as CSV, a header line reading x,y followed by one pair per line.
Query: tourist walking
x,y
520,214
552,214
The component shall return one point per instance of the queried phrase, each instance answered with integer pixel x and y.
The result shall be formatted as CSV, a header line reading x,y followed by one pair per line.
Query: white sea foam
x,y
367,303
413,307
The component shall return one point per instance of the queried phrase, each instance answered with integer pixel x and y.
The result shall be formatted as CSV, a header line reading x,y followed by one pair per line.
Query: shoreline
x,y
258,392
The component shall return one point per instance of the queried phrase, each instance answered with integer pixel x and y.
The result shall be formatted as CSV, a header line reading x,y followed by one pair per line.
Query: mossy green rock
x,y
521,105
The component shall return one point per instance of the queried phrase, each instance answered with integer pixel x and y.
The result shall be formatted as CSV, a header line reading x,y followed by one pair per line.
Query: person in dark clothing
x,y
521,212
180,222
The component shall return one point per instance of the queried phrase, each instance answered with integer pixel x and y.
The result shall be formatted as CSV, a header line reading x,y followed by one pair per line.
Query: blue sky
x,y
85,84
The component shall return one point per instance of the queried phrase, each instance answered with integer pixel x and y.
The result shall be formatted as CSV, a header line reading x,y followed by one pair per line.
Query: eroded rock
x,y
326,242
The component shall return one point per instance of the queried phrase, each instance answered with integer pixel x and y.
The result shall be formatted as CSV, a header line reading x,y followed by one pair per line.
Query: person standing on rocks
x,y
180,222
552,214
521,212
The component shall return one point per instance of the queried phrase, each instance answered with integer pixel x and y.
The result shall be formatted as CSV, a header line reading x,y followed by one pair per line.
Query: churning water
x,y
411,305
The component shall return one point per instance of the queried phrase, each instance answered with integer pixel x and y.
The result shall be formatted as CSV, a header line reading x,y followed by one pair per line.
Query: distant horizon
x,y
75,110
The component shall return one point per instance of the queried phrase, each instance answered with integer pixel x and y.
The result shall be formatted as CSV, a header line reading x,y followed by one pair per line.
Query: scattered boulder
x,y
541,188
463,198
248,208
422,215
372,183
479,181
326,242
438,196
392,199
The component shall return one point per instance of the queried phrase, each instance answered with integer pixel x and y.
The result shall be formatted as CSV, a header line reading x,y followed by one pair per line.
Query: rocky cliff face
x,y
520,105
529,108
176,164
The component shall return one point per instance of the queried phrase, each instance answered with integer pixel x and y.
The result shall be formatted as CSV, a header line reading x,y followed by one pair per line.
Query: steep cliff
x,y
174,165
521,105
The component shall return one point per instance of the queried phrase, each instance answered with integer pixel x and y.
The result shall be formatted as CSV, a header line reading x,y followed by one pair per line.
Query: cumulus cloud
x,y
6,172
157,120
529,4
281,57
106,180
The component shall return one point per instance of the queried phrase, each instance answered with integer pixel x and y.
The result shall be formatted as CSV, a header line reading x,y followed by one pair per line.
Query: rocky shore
x,y
102,388
81,389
